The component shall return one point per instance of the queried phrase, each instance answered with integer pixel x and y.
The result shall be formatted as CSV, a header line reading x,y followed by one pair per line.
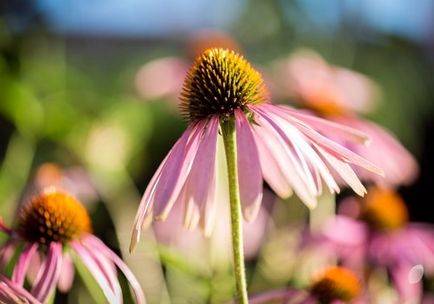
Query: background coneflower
x,y
55,226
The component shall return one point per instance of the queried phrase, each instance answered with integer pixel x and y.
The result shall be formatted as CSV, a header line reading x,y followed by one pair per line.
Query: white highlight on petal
x,y
415,274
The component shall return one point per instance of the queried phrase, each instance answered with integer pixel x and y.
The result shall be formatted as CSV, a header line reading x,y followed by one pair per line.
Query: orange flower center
x,y
336,283
384,209
219,82
53,216
323,102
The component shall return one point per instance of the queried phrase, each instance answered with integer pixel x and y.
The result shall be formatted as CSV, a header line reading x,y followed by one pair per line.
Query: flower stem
x,y
229,139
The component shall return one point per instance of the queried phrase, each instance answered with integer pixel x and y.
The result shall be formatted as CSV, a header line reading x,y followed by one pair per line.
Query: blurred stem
x,y
229,139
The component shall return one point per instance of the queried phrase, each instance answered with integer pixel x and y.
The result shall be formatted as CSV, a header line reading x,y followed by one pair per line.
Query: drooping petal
x,y
6,252
271,170
276,145
67,274
49,273
320,124
22,265
11,292
339,151
200,185
345,172
103,274
249,168
304,150
96,243
166,184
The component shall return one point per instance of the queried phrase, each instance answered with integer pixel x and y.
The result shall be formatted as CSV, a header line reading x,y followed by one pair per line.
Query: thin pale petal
x,y
175,174
22,265
249,168
100,271
323,125
340,152
67,274
49,273
271,170
171,165
305,153
201,180
345,172
276,146
107,267
103,249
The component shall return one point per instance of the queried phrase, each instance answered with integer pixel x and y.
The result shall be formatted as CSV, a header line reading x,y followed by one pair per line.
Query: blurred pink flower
x,y
11,292
74,180
51,227
380,236
338,94
333,285
276,143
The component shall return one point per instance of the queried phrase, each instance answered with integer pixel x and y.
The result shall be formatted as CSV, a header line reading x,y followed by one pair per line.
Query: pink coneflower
x,y
381,236
290,150
339,94
334,285
55,227
224,95
11,292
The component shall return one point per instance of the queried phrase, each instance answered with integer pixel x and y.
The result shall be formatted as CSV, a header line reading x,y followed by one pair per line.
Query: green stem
x,y
229,139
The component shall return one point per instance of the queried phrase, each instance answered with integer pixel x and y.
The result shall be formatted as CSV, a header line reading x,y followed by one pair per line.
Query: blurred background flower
x,y
73,95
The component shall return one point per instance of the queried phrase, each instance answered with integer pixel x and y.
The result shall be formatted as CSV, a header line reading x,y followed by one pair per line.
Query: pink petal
x,y
11,292
175,173
200,185
249,169
304,150
22,265
345,172
101,270
6,252
321,125
96,243
49,273
271,169
275,143
67,274
339,151
167,182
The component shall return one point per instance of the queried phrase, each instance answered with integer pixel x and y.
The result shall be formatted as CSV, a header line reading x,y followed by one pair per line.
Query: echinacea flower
x,y
333,285
290,150
382,237
339,94
54,227
11,292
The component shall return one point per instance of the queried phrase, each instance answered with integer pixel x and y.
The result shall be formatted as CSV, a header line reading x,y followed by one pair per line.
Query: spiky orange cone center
x,y
53,216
